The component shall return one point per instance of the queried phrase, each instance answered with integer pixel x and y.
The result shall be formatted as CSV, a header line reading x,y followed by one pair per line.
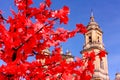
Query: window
x,y
98,39
97,79
90,39
101,64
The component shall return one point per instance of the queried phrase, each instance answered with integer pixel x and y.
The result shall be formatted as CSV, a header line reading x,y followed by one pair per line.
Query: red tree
x,y
30,32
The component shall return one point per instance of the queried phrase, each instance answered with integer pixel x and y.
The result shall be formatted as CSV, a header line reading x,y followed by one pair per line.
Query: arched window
x,y
101,64
90,39
98,39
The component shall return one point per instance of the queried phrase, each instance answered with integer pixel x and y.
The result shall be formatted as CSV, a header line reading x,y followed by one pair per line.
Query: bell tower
x,y
93,41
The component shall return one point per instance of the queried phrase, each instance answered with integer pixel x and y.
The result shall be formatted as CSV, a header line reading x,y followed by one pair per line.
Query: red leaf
x,y
79,61
102,54
90,66
64,19
92,55
42,7
81,28
62,14
29,2
22,4
66,10
48,2
72,34
67,76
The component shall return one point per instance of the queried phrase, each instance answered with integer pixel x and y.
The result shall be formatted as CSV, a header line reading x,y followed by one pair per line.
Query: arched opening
x,y
90,39
98,39
101,64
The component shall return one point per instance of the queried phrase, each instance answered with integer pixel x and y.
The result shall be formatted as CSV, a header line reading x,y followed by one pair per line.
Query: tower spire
x,y
92,16
92,13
